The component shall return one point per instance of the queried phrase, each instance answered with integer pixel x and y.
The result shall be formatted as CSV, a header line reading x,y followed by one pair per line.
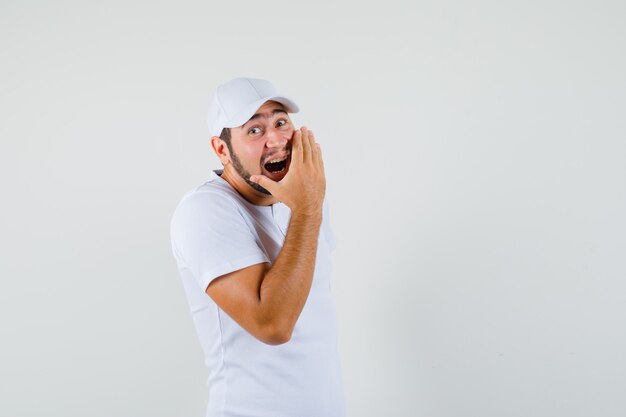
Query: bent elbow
x,y
275,341
274,336
278,339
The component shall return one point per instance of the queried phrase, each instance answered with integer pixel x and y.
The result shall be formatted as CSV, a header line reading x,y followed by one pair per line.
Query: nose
x,y
276,138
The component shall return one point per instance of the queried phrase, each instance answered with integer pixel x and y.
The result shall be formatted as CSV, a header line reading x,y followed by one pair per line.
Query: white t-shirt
x,y
215,231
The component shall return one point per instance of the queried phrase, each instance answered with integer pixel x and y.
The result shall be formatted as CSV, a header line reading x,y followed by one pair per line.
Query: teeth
x,y
276,160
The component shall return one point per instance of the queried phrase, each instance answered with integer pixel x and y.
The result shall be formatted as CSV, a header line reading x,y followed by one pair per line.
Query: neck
x,y
242,187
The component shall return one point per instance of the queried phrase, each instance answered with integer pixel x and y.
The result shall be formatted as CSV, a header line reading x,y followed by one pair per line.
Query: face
x,y
262,145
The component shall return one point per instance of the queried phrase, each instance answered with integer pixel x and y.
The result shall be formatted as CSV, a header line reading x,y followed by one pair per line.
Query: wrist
x,y
308,214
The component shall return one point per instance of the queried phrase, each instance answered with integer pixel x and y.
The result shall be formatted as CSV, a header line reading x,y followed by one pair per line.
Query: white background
x,y
475,162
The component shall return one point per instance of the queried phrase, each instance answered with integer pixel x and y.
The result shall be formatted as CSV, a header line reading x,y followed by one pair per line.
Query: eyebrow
x,y
259,115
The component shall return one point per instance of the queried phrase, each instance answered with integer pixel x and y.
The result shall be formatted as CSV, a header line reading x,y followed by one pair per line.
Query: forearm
x,y
286,285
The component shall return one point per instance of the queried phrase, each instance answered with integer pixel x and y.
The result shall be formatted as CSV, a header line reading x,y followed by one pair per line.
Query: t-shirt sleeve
x,y
211,238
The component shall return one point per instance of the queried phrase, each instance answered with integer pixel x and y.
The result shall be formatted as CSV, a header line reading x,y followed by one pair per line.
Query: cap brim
x,y
245,115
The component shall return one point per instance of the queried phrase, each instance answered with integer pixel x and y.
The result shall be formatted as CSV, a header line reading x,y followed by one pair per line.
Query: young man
x,y
253,247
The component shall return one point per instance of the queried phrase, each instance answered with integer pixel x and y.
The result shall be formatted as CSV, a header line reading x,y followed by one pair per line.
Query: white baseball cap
x,y
236,101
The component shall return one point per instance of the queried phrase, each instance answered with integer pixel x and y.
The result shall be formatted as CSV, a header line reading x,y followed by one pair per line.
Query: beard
x,y
243,173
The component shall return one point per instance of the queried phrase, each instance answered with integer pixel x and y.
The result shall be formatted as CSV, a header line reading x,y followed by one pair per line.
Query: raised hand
x,y
303,187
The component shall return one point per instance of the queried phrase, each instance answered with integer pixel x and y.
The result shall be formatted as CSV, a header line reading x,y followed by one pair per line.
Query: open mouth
x,y
277,165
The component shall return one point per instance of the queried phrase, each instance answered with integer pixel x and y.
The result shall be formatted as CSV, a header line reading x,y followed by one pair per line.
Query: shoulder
x,y
208,202
208,195
213,192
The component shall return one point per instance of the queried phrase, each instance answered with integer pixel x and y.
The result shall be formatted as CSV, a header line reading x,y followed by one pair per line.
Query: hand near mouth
x,y
303,187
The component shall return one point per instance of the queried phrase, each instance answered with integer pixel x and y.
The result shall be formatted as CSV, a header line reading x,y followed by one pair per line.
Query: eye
x,y
254,130
281,122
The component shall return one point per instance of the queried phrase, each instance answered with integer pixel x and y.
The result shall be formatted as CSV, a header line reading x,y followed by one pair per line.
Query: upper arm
x,y
238,294
212,240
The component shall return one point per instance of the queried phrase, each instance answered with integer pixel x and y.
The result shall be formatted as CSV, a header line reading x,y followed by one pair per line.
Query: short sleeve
x,y
211,238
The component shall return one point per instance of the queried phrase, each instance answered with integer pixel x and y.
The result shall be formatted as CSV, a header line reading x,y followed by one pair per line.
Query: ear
x,y
220,149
